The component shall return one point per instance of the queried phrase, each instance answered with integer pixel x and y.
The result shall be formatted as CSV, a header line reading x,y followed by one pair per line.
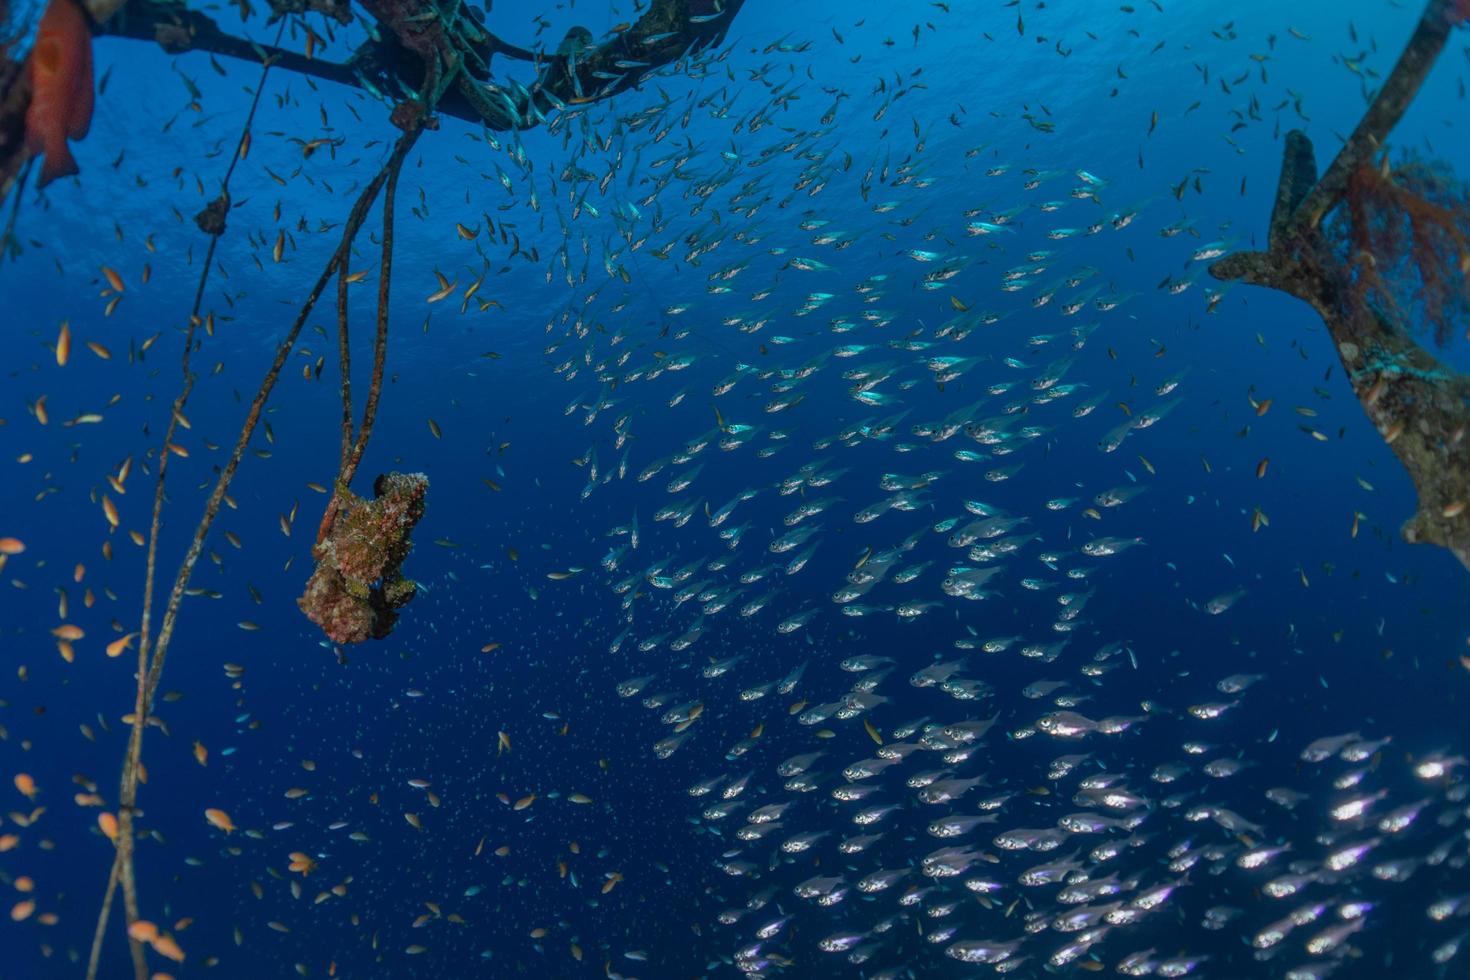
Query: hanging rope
x,y
123,858
352,450
152,654
149,679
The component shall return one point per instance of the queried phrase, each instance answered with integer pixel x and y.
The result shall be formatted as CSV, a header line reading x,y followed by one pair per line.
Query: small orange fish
x,y
61,88
107,823
143,931
169,947
220,819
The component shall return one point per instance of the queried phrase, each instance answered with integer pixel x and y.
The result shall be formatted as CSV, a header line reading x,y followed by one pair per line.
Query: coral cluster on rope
x,y
357,588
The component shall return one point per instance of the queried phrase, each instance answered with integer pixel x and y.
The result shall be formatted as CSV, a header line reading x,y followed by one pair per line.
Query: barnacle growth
x,y
357,588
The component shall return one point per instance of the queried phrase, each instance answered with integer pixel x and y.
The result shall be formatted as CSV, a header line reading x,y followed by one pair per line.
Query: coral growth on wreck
x,y
357,588
1407,229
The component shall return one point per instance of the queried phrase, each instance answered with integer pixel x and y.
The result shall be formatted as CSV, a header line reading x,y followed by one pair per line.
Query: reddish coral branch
x,y
1425,243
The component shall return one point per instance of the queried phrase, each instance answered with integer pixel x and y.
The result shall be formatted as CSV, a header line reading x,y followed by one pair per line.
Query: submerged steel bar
x,y
1419,405
1387,108
579,72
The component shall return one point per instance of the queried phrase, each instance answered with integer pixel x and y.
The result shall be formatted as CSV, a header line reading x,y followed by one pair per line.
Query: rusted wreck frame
x,y
179,28
577,74
1419,405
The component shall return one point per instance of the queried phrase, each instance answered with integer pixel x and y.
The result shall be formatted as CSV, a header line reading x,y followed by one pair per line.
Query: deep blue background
x,y
1370,645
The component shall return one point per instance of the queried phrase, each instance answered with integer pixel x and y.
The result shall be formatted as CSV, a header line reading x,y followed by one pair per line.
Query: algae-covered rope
x,y
150,679
380,342
344,360
122,869
352,450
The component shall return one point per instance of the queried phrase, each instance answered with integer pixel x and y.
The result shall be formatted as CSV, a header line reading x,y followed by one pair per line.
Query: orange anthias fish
x,y
61,88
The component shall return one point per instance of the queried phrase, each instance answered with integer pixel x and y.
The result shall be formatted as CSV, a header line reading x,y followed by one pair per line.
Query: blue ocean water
x,y
804,186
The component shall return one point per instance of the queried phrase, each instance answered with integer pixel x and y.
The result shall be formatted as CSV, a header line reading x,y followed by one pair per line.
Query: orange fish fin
x,y
58,163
